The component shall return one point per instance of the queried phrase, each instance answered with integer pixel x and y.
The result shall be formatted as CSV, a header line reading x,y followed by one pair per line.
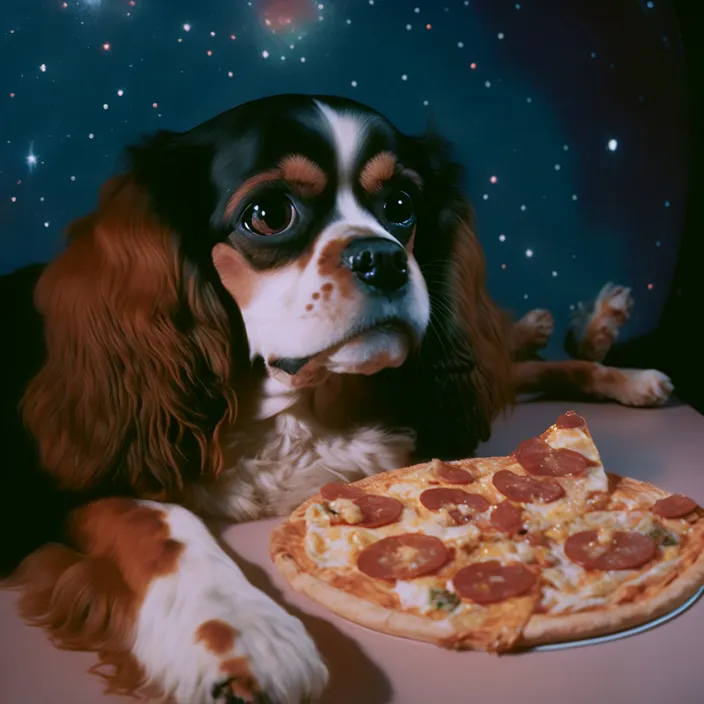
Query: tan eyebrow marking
x,y
301,174
381,168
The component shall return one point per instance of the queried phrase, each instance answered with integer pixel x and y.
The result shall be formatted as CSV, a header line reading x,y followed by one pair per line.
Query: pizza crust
x,y
539,630
542,629
289,555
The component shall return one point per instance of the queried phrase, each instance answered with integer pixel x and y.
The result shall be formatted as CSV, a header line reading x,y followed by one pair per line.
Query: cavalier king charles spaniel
x,y
287,294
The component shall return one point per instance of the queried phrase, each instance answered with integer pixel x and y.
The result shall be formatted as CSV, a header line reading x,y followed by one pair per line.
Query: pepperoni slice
x,y
451,474
674,506
339,490
403,557
627,551
541,460
490,582
507,518
378,511
437,498
571,420
526,489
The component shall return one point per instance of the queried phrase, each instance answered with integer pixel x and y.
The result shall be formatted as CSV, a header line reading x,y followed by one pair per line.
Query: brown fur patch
x,y
568,377
89,600
238,278
243,683
411,241
217,636
304,176
327,289
116,393
382,168
330,259
330,267
377,171
484,324
134,537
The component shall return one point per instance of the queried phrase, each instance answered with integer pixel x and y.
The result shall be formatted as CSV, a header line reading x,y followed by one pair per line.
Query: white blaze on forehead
x,y
353,216
348,132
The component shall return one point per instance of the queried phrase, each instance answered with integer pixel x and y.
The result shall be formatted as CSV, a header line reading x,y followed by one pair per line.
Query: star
x,y
31,158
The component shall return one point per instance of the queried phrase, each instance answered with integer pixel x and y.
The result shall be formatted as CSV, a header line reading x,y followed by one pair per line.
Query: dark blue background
x,y
529,92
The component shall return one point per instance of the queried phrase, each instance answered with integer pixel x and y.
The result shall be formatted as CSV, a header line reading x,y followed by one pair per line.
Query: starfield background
x,y
571,116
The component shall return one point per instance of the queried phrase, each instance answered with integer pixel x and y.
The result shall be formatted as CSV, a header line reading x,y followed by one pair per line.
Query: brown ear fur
x,y
137,375
485,325
83,604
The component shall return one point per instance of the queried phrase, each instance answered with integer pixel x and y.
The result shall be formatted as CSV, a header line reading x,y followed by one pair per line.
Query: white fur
x,y
274,464
209,586
348,131
643,387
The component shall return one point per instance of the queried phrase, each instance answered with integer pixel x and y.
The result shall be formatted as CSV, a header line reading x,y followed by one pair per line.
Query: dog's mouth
x,y
391,326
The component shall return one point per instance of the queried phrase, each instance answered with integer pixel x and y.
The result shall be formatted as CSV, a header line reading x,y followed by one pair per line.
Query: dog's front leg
x,y
153,593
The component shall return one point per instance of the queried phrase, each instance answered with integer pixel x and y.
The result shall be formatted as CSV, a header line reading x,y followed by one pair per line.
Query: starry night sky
x,y
570,116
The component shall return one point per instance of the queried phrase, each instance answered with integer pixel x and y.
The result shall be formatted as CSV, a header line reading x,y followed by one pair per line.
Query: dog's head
x,y
318,210
311,223
307,232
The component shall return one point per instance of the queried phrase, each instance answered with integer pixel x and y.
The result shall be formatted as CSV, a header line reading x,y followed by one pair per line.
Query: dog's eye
x,y
269,214
398,208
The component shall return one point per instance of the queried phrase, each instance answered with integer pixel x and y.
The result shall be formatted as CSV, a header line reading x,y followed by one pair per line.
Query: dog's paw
x,y
270,659
643,388
596,328
204,634
536,326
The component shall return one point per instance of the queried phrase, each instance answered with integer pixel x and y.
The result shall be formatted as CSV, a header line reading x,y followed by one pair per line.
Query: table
x,y
665,664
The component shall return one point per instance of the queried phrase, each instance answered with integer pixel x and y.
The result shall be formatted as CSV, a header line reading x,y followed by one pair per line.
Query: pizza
x,y
497,553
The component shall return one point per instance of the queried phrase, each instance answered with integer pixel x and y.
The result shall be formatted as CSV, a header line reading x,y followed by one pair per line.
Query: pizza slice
x,y
494,553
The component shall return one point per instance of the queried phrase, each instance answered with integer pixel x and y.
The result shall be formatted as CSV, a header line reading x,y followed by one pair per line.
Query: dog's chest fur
x,y
293,445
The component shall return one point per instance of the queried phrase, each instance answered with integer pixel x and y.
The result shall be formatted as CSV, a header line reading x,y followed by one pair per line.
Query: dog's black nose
x,y
379,263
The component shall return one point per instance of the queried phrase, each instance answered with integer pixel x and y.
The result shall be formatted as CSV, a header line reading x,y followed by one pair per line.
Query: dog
x,y
288,294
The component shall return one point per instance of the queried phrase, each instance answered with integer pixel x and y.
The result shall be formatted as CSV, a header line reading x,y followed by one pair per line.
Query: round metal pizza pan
x,y
623,634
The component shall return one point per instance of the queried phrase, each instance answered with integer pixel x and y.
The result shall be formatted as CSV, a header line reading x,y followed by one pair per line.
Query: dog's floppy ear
x,y
464,361
137,376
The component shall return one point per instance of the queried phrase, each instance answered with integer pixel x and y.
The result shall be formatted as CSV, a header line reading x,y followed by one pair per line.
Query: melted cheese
x,y
331,545
413,595
347,510
418,595
406,491
505,552
594,479
567,587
